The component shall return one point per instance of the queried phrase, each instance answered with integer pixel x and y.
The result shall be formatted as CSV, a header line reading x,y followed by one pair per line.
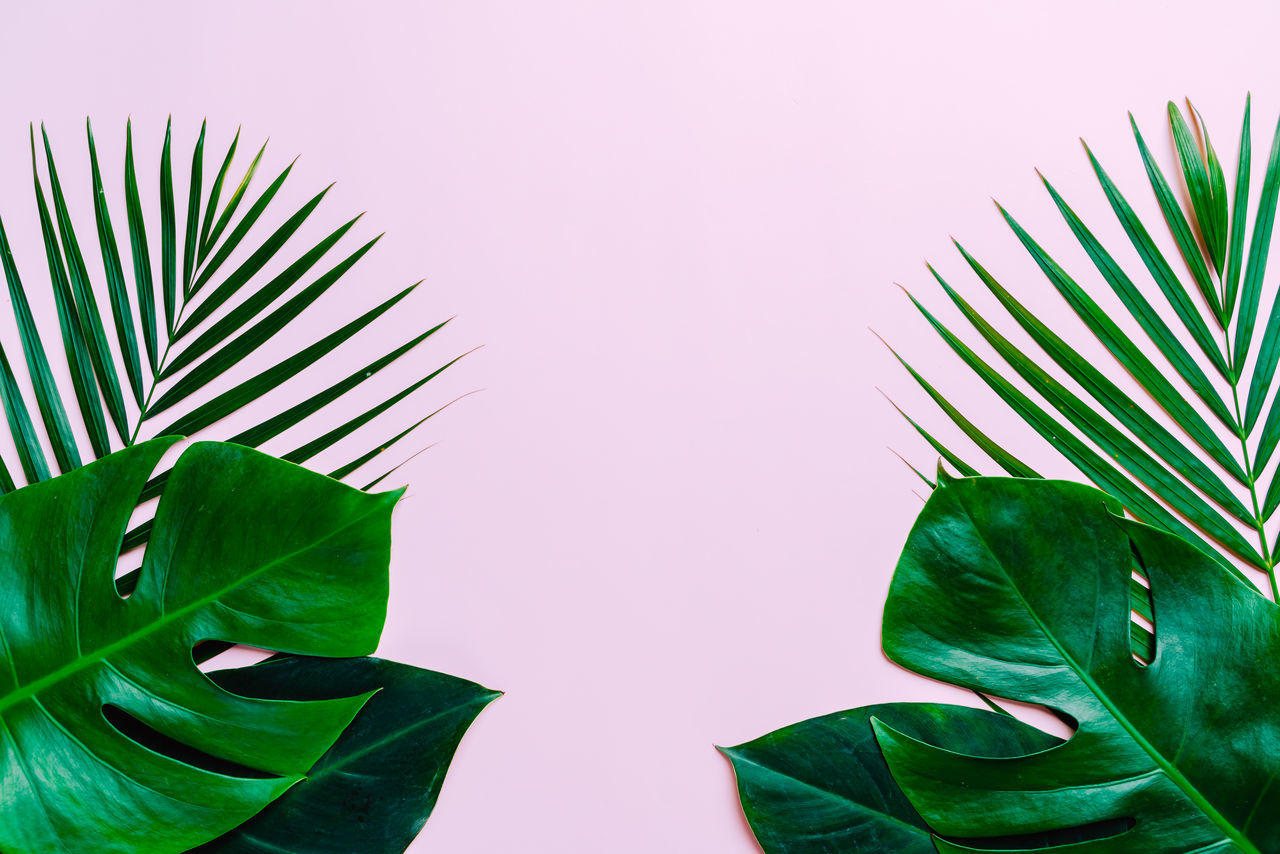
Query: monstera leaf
x,y
1185,747
245,548
1019,588
376,787
162,339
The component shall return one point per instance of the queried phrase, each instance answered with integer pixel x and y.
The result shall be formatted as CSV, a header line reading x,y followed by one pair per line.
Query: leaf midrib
x,y
1193,794
84,661
482,701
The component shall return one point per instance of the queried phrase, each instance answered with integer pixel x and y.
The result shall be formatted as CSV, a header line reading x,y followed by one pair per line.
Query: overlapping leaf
x,y
375,788
146,369
1186,747
1173,756
822,786
246,548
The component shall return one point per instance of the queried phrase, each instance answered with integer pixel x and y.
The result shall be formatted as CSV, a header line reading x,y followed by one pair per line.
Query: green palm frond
x,y
1206,468
170,335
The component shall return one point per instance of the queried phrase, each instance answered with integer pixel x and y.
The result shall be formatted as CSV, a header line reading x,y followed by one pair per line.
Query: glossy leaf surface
x,y
1185,748
822,786
245,548
374,789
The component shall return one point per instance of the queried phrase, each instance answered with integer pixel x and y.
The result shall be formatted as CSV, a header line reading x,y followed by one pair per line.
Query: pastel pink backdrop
x,y
670,517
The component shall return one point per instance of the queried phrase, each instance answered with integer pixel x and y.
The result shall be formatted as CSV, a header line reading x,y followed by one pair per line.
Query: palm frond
x,y
1213,481
177,332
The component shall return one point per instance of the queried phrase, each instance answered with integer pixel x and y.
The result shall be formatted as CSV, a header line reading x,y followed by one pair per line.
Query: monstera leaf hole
x,y
245,547
118,732
1142,616
208,655
157,742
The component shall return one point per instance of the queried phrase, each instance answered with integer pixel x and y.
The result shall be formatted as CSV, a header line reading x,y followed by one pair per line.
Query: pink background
x,y
670,517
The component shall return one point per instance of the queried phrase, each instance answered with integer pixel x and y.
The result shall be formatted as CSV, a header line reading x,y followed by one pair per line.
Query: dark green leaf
x,y
822,787
375,788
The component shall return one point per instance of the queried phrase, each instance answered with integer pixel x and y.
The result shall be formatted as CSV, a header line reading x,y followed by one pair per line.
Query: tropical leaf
x,y
374,789
1173,755
245,548
197,318
171,334
1212,480
1184,749
822,786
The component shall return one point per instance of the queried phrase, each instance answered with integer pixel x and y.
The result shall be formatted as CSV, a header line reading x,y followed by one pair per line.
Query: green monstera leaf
x,y
1020,589
245,548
